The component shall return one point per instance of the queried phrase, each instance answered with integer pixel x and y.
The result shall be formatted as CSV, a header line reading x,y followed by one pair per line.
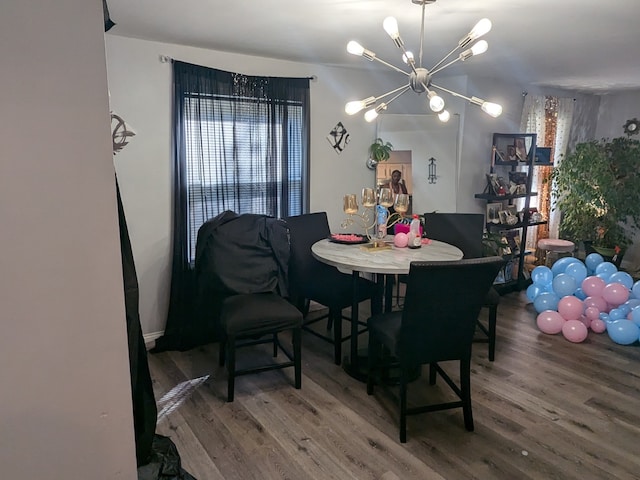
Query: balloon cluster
x,y
572,297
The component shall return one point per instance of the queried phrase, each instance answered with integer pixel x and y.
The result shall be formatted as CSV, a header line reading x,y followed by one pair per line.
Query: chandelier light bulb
x,y
354,48
436,103
390,26
480,28
444,116
492,109
354,107
407,57
370,115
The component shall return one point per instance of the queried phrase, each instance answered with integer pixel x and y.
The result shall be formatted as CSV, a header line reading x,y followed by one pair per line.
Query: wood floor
x,y
545,409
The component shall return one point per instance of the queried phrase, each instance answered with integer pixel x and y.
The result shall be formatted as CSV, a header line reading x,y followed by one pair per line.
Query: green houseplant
x,y
597,190
379,151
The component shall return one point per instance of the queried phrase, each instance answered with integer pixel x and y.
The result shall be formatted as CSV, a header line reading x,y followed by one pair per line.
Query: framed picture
x,y
521,148
504,152
508,216
543,156
493,210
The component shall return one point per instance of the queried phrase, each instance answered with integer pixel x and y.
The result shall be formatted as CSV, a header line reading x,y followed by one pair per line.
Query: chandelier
x,y
420,78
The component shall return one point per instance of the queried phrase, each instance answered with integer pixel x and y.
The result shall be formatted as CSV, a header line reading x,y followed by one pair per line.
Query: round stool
x,y
554,248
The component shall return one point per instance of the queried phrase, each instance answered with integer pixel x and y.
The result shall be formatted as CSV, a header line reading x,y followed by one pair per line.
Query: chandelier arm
x,y
424,4
396,90
404,90
443,59
393,67
451,92
433,72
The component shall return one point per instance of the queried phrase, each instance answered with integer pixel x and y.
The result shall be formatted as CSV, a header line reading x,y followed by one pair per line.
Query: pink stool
x,y
555,247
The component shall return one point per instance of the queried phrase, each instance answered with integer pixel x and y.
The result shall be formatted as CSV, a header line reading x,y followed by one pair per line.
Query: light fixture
x,y
420,78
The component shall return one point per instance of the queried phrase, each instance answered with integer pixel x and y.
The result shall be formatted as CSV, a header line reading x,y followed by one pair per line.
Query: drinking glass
x,y
402,203
386,197
350,205
368,197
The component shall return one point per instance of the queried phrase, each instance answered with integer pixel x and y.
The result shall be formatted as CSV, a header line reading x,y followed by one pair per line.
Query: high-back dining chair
x,y
242,264
322,283
465,230
437,324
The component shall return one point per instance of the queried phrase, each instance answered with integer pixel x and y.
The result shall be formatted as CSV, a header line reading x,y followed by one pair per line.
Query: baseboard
x,y
150,339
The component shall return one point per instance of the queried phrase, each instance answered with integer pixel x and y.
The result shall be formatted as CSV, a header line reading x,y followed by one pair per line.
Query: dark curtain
x,y
246,139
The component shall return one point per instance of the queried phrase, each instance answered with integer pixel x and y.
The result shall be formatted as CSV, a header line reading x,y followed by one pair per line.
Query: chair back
x,y
441,307
462,230
304,231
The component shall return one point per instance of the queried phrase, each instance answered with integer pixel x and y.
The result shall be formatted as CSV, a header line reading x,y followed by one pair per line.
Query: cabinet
x,y
507,196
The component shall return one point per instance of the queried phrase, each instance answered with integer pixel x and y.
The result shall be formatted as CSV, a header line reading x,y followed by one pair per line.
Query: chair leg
x,y
336,316
275,345
493,314
222,353
432,373
373,352
297,356
231,367
465,387
403,404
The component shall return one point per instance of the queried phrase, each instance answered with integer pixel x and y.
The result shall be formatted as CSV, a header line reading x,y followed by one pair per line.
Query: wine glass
x,y
350,205
386,198
368,197
401,204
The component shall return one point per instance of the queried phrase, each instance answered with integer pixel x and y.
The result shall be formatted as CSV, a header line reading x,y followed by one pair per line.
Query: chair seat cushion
x,y
334,289
258,313
386,328
556,245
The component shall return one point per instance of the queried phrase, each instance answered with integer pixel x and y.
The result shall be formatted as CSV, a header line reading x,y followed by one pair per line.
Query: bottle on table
x,y
415,239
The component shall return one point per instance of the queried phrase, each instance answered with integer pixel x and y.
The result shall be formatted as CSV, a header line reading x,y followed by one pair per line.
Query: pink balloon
x,y
549,322
615,293
574,331
592,313
586,320
570,307
400,240
592,286
598,326
598,302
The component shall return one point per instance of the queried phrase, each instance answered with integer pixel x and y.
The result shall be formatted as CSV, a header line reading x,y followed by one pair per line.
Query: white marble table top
x,y
394,261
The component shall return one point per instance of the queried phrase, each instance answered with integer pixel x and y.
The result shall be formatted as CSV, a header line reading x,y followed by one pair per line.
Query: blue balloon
x,y
606,267
625,309
541,275
621,277
632,302
577,270
616,314
533,291
546,301
623,332
580,293
604,317
564,285
604,276
593,260
635,316
561,264
636,289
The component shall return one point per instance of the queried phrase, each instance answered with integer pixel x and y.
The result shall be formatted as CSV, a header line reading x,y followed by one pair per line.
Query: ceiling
x,y
581,45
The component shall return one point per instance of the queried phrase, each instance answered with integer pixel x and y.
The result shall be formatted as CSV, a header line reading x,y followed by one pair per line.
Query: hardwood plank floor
x,y
545,409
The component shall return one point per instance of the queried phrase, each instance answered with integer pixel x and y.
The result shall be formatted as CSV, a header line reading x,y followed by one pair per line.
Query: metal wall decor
x,y
432,170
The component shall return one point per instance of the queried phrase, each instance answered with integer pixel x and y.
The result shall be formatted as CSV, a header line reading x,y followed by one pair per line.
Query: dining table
x,y
384,262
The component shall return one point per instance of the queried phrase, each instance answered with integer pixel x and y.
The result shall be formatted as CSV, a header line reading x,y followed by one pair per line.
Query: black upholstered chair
x,y
465,230
322,283
242,280
437,324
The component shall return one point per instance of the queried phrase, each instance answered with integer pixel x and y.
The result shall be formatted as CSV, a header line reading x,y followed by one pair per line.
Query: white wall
x,y
65,406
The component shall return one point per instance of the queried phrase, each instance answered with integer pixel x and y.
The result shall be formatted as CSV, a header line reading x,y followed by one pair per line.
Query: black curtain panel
x,y
241,143
108,24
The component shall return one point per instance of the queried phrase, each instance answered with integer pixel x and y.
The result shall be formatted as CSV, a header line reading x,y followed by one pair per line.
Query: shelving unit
x,y
512,157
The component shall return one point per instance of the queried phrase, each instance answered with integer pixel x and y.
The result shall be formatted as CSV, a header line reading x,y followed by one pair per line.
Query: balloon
x,y
593,286
541,275
616,314
592,313
561,264
533,291
606,267
549,322
546,301
576,270
597,302
570,307
564,285
636,289
593,260
585,320
622,277
575,331
632,302
635,316
623,332
580,293
598,325
400,239
615,293
604,276
626,309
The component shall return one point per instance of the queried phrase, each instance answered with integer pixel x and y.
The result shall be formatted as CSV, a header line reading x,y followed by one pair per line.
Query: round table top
x,y
394,261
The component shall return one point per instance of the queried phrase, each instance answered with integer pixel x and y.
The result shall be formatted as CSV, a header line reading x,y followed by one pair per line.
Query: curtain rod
x,y
168,59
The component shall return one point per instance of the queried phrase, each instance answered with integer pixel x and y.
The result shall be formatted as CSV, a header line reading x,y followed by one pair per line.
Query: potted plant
x,y
379,151
597,190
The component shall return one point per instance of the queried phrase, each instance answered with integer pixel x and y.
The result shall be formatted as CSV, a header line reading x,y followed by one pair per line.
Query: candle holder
x,y
375,218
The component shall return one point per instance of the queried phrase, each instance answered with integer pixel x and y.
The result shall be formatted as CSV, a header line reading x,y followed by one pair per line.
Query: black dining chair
x,y
465,231
437,324
241,268
312,280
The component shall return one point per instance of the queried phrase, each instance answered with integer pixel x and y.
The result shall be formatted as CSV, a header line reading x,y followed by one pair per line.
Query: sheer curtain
x,y
241,143
564,121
